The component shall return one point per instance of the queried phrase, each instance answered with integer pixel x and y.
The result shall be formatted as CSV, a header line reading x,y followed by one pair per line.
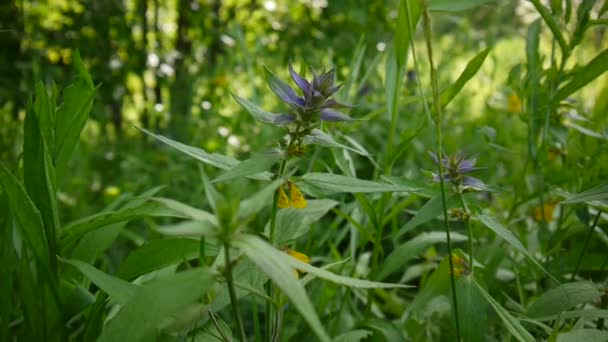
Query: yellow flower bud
x,y
297,199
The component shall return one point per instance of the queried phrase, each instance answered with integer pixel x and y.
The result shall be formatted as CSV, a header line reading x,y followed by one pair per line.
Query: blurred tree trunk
x,y
181,88
143,58
13,59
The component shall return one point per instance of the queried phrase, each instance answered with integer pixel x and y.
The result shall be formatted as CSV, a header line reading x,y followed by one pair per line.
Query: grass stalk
x,y
439,135
233,300
585,244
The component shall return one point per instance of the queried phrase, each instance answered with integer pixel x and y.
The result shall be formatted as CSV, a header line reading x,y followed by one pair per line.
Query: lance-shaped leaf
x,y
283,90
318,137
564,297
263,256
258,163
331,183
215,159
455,5
469,71
589,72
329,115
598,193
256,111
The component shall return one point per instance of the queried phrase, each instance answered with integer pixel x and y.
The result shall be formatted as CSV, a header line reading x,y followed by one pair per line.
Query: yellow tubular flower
x,y
544,213
513,104
283,200
300,256
297,199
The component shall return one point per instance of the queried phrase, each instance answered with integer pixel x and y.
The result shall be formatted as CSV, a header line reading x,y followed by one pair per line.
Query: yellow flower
x,y
283,200
297,200
544,213
300,256
460,265
513,104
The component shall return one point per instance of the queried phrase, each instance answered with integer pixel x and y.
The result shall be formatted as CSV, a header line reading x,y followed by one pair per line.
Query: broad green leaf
x,y
598,193
157,254
44,107
156,207
73,113
257,112
423,188
190,229
39,173
258,163
564,297
293,223
264,256
259,200
353,336
285,259
154,303
122,291
469,71
215,159
327,183
407,20
393,82
318,137
429,211
28,217
412,248
455,5
471,310
582,77
587,335
501,231
510,322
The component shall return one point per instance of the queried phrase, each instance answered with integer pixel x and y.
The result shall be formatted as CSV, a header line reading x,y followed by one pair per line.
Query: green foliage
x,y
177,189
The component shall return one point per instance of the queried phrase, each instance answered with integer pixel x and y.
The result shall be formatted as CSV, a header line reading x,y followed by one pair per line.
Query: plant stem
x,y
467,221
232,292
437,108
587,239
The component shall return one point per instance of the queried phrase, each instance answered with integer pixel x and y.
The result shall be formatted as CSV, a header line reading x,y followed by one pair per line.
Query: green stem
x,y
232,292
467,221
587,239
438,110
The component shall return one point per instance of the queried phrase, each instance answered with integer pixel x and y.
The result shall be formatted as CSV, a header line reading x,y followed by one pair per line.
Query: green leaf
x,y
327,183
429,211
318,137
437,284
564,297
215,159
38,171
257,112
259,200
469,71
412,248
393,82
293,223
258,163
353,336
553,25
44,107
121,290
587,335
501,231
383,330
155,207
471,310
588,73
73,113
157,254
141,317
455,5
28,217
510,322
407,20
264,256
